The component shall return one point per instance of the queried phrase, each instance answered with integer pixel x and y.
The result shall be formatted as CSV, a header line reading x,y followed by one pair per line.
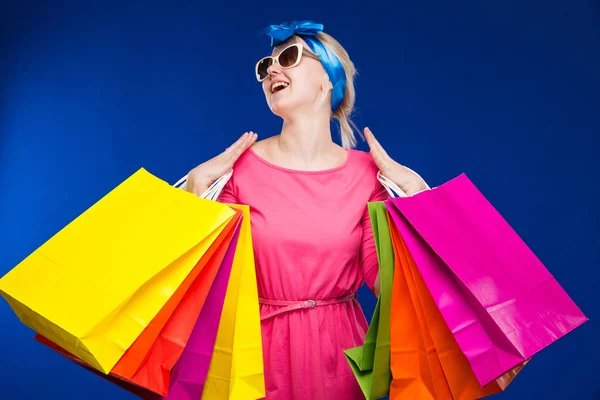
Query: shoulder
x,y
362,167
251,162
254,153
263,146
248,157
363,160
365,170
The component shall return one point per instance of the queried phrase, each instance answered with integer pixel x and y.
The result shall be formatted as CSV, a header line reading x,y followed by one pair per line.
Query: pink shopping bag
x,y
501,303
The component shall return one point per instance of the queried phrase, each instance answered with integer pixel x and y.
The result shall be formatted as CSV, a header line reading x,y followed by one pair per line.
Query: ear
x,y
326,85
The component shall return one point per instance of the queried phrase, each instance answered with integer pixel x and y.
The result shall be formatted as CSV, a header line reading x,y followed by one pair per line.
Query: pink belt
x,y
291,305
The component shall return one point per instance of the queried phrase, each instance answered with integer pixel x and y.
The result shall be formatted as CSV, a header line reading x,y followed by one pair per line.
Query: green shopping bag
x,y
371,362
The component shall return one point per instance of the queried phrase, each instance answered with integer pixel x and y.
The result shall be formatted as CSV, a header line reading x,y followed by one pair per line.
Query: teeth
x,y
278,84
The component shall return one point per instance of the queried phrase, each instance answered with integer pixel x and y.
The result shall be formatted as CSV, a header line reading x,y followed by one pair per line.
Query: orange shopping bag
x,y
440,385
452,373
412,376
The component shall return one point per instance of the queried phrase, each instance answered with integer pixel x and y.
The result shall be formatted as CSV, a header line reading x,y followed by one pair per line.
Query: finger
x,y
375,145
379,157
238,150
252,140
238,142
232,147
369,138
244,145
373,141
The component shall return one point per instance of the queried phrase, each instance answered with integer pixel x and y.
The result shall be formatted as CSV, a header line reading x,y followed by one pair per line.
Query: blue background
x,y
505,91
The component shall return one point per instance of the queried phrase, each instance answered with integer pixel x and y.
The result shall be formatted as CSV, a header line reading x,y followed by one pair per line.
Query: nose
x,y
274,69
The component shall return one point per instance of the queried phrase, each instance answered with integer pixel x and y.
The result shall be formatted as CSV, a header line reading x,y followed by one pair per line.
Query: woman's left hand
x,y
403,177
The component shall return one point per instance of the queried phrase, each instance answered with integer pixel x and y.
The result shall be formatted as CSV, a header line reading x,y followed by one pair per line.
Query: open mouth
x,y
278,86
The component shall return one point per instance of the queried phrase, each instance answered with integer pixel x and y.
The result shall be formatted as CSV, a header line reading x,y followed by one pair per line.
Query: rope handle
x,y
214,190
393,189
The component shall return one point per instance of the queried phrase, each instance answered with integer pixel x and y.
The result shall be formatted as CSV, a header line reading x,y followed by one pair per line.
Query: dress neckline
x,y
349,154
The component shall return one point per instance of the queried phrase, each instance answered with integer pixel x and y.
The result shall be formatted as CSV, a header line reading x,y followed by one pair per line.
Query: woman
x,y
308,197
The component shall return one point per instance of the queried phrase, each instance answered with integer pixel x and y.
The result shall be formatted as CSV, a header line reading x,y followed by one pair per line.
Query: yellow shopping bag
x,y
236,367
95,285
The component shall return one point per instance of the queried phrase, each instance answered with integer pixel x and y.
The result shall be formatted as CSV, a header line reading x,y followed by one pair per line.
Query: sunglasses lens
x,y
289,57
262,67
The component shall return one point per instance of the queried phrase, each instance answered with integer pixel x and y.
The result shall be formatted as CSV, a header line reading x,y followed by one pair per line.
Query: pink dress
x,y
312,241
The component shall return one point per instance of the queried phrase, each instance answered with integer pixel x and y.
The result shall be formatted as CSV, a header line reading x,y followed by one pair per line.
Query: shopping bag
x,y
371,361
516,307
412,375
154,373
190,371
236,366
95,286
434,367
452,375
192,293
155,370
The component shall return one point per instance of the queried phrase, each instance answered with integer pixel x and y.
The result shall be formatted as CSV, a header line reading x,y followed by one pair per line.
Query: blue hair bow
x,y
282,32
307,30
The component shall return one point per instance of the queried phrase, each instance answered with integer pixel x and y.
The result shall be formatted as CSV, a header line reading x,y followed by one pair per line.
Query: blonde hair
x,y
344,112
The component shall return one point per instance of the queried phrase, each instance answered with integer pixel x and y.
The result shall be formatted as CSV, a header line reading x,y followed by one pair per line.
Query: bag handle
x,y
214,190
393,189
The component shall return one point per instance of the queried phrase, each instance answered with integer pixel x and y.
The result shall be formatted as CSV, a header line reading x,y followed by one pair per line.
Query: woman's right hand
x,y
200,178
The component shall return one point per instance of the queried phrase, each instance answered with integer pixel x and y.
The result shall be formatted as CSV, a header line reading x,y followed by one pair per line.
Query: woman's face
x,y
299,87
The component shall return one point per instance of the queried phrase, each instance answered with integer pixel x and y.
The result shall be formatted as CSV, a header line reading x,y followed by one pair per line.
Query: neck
x,y
307,138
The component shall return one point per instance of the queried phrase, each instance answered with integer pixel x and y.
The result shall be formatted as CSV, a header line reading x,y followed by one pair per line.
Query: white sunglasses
x,y
287,58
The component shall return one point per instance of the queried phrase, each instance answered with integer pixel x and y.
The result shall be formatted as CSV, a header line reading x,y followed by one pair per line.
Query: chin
x,y
286,106
282,107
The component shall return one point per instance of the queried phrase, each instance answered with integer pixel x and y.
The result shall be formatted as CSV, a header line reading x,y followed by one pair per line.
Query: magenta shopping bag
x,y
499,300
190,371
